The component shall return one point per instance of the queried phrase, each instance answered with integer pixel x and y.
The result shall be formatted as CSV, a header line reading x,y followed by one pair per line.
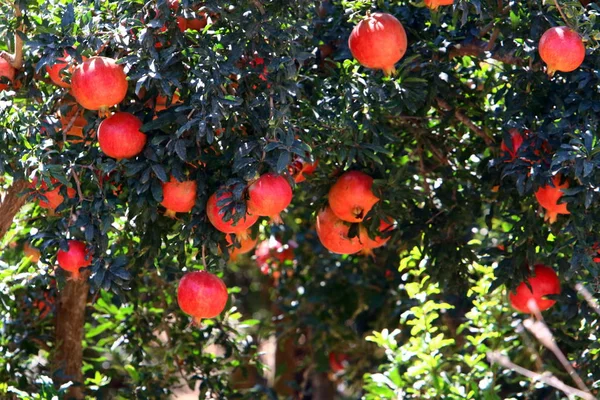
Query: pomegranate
x,y
44,305
201,295
385,225
271,253
119,136
333,233
6,71
215,216
31,252
300,168
246,246
434,4
99,83
516,139
378,42
548,196
53,197
544,282
161,102
338,362
56,71
178,196
351,197
75,258
75,122
268,196
562,49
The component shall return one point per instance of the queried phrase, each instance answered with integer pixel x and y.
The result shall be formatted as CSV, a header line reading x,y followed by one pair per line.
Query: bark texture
x,y
11,204
70,319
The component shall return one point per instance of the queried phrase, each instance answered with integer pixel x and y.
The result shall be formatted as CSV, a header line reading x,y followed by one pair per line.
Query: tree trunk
x,y
70,319
322,387
11,204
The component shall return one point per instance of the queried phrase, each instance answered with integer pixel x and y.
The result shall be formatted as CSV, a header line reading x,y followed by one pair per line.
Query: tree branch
x,y
16,59
11,204
444,106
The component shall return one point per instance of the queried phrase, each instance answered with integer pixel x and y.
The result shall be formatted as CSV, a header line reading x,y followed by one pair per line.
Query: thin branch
x,y
588,297
16,59
260,7
547,378
544,336
561,12
444,106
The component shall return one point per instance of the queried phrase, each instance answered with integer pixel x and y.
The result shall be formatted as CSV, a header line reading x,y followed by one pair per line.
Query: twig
x,y
78,184
547,378
260,7
16,59
444,106
588,297
204,256
561,12
544,336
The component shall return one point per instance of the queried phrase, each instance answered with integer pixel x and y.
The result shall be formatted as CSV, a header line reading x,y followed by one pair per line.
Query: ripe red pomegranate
x,y
549,196
300,168
434,4
178,196
201,295
333,233
516,139
161,102
76,125
246,246
378,42
351,197
271,253
216,217
77,257
562,49
56,71
99,83
338,362
119,136
53,197
370,244
6,71
543,283
268,196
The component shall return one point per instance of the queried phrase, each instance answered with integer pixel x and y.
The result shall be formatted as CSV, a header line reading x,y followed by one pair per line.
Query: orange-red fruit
x,y
246,246
54,198
434,4
31,252
544,282
378,42
201,295
76,129
351,197
55,72
213,211
269,195
378,241
75,258
300,168
333,234
271,253
562,49
179,196
119,136
516,139
99,83
549,196
338,361
6,71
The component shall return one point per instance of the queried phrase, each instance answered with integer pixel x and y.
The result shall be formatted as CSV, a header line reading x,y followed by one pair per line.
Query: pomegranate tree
x,y
216,216
351,196
333,233
549,195
544,282
269,195
75,258
378,42
201,295
178,196
6,71
562,49
119,136
99,83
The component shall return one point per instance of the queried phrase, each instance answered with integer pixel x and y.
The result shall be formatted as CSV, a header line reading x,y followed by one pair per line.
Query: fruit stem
x,y
197,322
276,219
550,72
170,214
389,71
